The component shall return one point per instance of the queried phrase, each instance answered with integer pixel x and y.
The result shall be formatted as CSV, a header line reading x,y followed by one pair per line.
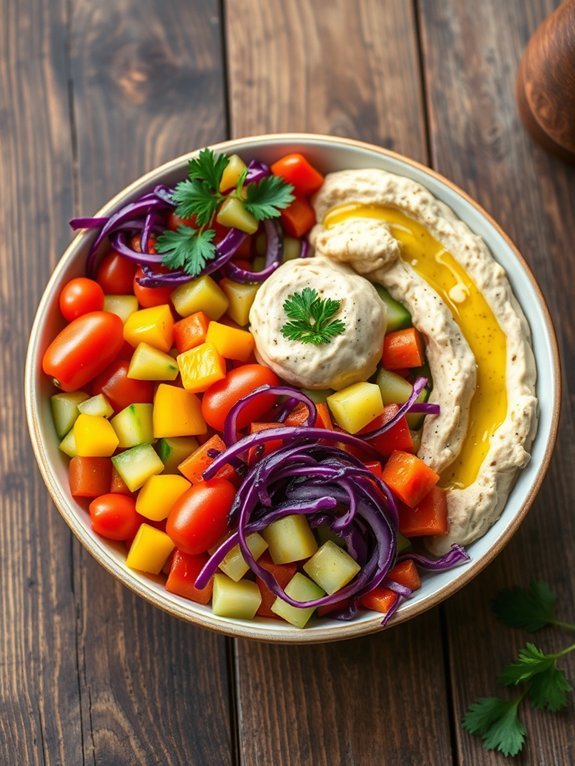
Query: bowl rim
x,y
140,583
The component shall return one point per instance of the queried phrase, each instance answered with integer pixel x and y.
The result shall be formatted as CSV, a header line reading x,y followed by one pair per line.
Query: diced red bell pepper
x,y
117,485
190,331
297,171
405,573
375,467
409,477
196,463
403,348
326,609
429,517
380,599
183,572
119,389
283,574
90,476
397,438
257,453
298,218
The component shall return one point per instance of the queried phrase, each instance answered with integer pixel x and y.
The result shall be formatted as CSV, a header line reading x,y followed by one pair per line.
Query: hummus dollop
x,y
347,358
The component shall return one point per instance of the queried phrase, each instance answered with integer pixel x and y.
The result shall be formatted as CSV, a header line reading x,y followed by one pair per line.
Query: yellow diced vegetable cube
x,y
202,294
174,449
121,305
96,405
235,599
331,567
68,444
200,367
234,565
149,550
356,406
233,170
177,412
290,539
149,363
233,214
137,464
158,495
133,425
94,436
154,326
299,588
240,297
230,342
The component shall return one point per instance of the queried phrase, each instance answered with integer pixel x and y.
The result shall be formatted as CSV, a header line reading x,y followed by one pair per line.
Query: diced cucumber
x,y
65,410
133,425
96,405
292,249
324,534
398,316
174,449
121,305
137,464
68,444
403,544
318,396
331,567
149,363
290,539
234,565
397,390
240,600
300,588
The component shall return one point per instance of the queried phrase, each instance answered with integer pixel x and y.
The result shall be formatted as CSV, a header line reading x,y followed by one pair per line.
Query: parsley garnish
x,y
496,720
199,197
311,318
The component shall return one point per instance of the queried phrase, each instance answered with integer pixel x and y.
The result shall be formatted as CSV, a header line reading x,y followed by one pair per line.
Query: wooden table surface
x,y
93,94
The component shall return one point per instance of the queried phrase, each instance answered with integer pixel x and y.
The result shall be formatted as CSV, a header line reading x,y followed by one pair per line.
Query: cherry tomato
x,y
296,170
199,518
83,349
119,389
116,274
114,516
151,296
80,296
221,396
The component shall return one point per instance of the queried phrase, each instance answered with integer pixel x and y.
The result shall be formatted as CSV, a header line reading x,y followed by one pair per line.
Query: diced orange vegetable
x,y
325,609
397,438
149,549
183,572
296,170
257,453
381,599
190,331
90,476
409,477
117,485
299,414
323,417
429,517
298,218
154,325
375,467
403,348
177,412
283,573
200,367
229,342
405,573
196,463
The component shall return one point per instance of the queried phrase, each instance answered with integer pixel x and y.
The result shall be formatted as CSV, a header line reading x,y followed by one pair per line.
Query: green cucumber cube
x,y
290,539
300,588
319,396
65,410
175,449
121,305
331,567
240,600
398,316
68,444
133,425
234,565
137,464
97,405
397,390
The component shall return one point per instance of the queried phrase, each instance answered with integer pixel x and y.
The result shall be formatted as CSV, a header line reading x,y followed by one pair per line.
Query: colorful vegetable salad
x,y
259,498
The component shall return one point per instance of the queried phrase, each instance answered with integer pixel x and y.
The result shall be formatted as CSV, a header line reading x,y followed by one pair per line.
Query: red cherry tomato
x,y
296,170
83,349
114,516
151,296
80,296
221,396
116,274
199,518
119,389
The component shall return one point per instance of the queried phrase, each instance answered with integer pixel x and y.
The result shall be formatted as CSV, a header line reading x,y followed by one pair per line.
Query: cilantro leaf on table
x,y
311,318
548,690
497,722
530,609
530,661
208,167
187,249
268,197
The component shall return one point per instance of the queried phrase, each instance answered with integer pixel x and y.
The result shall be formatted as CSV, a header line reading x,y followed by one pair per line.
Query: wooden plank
x,y
471,53
39,710
350,702
147,86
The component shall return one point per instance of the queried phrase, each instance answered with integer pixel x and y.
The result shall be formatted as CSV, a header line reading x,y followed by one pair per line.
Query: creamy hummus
x,y
369,244
349,357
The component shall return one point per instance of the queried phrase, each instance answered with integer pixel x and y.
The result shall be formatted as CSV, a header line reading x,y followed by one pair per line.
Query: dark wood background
x,y
93,94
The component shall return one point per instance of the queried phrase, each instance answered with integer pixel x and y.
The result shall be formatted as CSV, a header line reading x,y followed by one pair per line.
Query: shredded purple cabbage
x,y
454,557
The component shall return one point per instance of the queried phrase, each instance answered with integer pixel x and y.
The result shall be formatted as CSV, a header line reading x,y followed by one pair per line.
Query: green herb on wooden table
x,y
534,672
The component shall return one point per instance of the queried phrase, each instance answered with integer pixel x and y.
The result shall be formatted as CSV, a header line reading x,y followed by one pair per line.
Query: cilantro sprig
x,y
534,672
311,318
198,197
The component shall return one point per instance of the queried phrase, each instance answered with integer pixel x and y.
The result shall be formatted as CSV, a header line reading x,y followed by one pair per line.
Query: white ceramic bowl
x,y
328,154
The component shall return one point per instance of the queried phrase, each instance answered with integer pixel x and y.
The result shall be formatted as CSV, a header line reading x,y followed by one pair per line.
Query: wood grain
x,y
471,53
326,704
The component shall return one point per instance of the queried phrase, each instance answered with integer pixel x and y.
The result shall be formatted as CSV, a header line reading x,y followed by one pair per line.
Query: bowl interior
x,y
328,154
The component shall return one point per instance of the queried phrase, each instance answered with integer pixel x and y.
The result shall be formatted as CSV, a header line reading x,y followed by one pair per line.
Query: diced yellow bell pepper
x,y
356,406
158,495
201,294
94,436
177,412
230,342
232,172
149,363
149,550
240,297
154,326
200,367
